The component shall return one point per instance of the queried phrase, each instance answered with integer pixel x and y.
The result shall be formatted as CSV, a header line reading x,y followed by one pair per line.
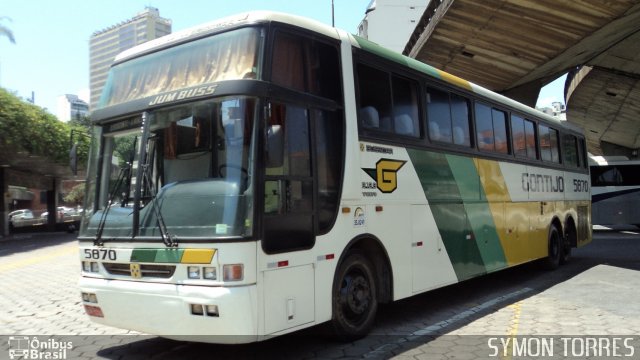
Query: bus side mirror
x,y
73,159
275,146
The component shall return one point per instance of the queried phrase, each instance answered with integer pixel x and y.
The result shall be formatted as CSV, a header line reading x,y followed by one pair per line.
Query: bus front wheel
x,y
354,297
555,249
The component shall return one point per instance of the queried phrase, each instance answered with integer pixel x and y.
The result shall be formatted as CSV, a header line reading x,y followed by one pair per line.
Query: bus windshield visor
x,y
227,56
192,178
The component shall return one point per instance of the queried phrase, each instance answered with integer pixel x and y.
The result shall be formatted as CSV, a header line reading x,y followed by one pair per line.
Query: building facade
x,y
390,23
105,44
71,107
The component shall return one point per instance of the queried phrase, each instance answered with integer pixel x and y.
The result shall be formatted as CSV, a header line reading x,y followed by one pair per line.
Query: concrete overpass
x,y
29,172
517,46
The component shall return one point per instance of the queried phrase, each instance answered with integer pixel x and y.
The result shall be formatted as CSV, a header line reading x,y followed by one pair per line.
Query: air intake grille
x,y
147,270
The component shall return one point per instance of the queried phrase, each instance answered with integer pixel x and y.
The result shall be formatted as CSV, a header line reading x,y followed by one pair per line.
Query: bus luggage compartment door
x,y
289,298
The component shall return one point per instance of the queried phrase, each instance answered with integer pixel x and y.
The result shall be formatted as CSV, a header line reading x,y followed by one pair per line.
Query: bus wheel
x,y
555,249
571,237
354,298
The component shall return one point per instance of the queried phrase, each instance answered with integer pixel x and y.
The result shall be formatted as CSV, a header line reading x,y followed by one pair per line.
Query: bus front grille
x,y
146,270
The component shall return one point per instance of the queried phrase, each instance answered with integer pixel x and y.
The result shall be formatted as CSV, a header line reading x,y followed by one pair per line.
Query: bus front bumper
x,y
167,310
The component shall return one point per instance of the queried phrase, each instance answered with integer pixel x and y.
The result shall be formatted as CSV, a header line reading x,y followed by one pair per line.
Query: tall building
x,y
71,107
390,23
105,44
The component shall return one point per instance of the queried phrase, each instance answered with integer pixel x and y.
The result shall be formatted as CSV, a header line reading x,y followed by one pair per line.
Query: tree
x,y
26,127
5,31
76,195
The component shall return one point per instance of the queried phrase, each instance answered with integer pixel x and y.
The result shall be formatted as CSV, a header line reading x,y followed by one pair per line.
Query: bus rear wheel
x,y
355,300
555,249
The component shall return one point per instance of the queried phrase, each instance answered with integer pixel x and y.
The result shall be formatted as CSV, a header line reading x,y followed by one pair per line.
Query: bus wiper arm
x,y
112,194
167,238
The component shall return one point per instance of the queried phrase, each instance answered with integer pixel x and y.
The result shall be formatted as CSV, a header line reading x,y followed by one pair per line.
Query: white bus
x,y
615,192
265,173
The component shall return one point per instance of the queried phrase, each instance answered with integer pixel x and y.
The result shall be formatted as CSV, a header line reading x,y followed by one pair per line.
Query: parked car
x,y
22,214
62,212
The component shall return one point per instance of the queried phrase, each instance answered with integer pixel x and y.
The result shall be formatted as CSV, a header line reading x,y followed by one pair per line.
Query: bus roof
x,y
255,17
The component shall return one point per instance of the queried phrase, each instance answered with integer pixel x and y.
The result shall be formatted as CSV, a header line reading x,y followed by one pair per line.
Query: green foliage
x,y
26,127
76,195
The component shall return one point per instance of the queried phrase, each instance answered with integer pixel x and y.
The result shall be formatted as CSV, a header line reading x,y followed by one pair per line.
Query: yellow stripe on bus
x,y
197,256
452,79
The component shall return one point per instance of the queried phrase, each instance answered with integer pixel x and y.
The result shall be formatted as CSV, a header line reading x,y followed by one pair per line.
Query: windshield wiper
x,y
144,177
167,238
112,194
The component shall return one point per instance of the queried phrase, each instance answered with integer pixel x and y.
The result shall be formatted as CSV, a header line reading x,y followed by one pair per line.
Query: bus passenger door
x,y
288,220
288,185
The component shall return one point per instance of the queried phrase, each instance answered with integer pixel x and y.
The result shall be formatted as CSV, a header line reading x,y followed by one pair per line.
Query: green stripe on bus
x,y
478,212
446,203
169,256
397,57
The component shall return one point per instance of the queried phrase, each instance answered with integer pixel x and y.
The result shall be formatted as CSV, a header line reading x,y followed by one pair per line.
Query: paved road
x,y
595,294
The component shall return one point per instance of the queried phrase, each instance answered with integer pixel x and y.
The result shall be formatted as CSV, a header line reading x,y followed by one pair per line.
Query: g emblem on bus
x,y
136,273
386,174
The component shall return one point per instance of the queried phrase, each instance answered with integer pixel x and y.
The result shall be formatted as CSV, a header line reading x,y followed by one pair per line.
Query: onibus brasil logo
x,y
25,347
386,174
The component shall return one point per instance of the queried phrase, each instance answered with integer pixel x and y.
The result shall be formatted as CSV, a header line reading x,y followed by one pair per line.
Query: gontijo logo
x,y
386,174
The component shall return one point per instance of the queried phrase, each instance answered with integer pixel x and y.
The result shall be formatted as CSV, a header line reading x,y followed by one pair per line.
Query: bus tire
x,y
355,301
570,238
552,261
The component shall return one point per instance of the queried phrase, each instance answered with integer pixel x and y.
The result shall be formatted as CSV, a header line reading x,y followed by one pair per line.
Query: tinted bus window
x,y
439,115
306,65
500,131
405,107
615,175
518,137
570,150
379,111
530,138
484,127
461,117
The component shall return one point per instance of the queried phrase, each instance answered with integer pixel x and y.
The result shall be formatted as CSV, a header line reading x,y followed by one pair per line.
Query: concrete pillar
x,y
52,205
4,209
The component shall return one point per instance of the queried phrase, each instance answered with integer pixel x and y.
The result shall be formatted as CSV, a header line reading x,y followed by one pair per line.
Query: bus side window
x,y
500,131
374,95
570,150
484,127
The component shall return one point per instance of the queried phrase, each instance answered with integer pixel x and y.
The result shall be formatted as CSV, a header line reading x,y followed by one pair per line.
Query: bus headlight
x,y
233,272
209,273
194,272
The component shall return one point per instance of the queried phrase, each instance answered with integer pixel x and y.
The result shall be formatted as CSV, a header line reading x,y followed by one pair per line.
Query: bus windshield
x,y
193,176
231,55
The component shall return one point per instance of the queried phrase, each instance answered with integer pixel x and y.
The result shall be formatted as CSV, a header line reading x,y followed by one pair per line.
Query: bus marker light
x,y
93,311
193,272
86,266
283,263
209,273
379,208
346,210
94,267
197,309
232,272
212,310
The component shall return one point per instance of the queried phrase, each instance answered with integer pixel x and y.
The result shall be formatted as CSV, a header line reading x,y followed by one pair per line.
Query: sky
x,y
51,54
